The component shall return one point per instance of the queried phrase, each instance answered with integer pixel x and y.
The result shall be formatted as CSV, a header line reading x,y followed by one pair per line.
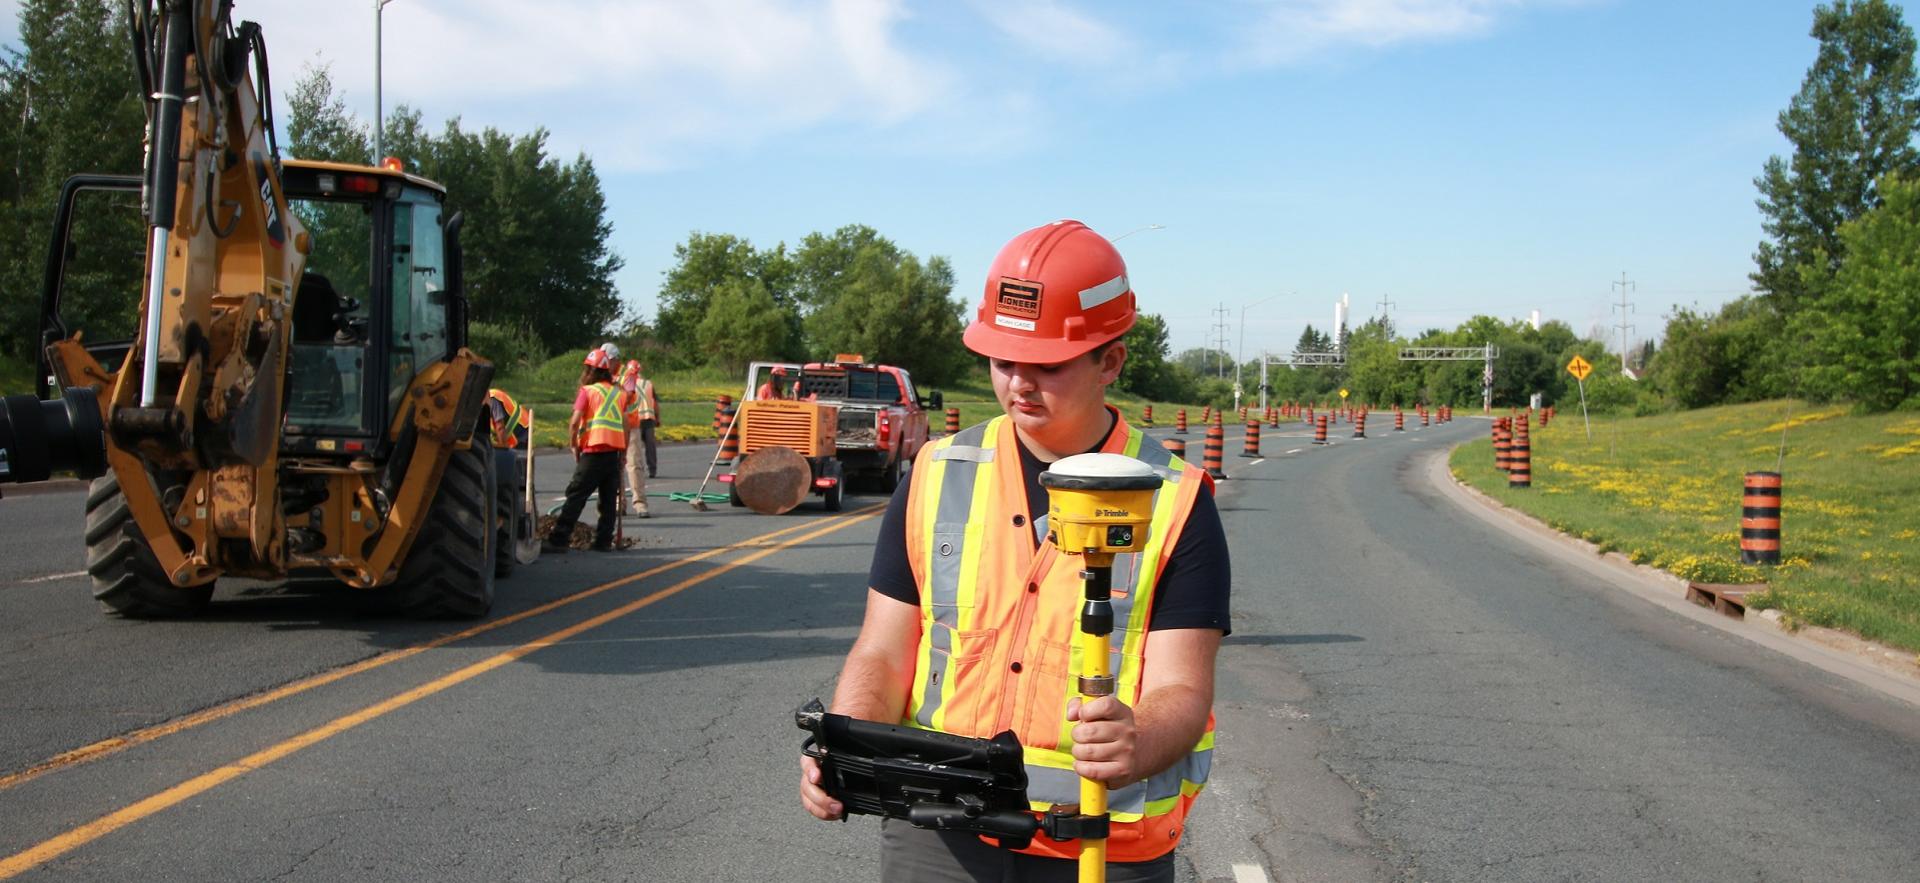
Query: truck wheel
x,y
890,476
127,579
832,495
448,573
507,505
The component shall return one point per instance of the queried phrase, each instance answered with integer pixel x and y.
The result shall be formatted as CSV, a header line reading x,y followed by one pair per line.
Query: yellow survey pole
x,y
1098,505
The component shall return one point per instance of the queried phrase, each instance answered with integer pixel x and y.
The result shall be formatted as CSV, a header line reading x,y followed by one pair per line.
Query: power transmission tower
x,y
1220,339
1625,308
1385,305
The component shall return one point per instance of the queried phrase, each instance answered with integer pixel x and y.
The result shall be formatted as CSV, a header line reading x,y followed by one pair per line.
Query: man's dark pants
x,y
597,472
646,439
913,855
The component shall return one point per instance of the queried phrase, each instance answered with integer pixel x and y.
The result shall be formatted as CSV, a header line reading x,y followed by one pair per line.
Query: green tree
x,y
862,293
1865,334
71,105
1852,122
704,263
742,324
1148,373
319,126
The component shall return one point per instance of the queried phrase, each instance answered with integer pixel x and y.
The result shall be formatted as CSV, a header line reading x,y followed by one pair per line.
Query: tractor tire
x,y
449,571
127,578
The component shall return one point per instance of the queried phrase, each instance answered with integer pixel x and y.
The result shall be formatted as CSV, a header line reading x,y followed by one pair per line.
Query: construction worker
x,y
647,402
775,387
599,431
639,392
510,422
971,614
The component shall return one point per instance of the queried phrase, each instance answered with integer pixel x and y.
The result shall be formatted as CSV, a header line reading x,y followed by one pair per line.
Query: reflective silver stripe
x,y
1047,784
947,553
969,453
1040,529
1105,291
1160,459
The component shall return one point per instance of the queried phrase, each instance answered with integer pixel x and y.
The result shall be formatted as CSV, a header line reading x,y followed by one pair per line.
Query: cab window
x,y
419,279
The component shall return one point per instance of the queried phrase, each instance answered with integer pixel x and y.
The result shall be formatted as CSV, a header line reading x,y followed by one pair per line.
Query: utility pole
x,y
1624,307
1220,339
1385,305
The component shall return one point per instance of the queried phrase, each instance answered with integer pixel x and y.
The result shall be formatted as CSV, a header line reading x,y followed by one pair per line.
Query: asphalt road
x,y
1409,693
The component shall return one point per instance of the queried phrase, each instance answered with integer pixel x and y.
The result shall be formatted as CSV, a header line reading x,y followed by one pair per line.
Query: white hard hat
x,y
611,349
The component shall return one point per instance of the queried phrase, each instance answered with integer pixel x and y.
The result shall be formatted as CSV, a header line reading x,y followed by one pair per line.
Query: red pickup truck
x,y
883,418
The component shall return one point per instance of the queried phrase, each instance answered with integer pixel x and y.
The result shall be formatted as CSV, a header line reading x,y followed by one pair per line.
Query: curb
x,y
1893,672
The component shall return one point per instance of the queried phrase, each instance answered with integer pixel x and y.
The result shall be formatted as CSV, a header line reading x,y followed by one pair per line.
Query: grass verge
x,y
1665,491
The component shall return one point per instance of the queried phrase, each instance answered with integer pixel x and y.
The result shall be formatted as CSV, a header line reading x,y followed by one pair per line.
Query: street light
x,y
379,118
1241,357
1114,239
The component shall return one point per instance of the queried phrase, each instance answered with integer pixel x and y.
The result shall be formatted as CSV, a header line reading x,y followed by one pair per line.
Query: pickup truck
x,y
882,417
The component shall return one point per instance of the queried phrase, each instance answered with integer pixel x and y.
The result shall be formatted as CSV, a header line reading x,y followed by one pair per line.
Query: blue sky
x,y
1454,156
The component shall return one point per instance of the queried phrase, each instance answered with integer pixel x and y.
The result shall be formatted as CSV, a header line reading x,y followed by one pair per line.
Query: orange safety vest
x,y
645,406
998,619
607,424
503,436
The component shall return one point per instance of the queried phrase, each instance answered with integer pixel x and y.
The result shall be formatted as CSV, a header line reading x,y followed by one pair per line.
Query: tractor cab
x,y
378,301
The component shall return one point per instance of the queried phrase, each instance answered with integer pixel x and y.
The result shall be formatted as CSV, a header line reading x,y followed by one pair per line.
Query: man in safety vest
x,y
510,422
640,442
971,614
601,415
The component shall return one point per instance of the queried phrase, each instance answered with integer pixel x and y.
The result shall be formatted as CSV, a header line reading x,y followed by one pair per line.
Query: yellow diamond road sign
x,y
1579,368
1343,393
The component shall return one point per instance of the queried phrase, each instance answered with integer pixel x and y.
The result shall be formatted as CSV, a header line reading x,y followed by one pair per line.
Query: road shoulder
x,y
1875,666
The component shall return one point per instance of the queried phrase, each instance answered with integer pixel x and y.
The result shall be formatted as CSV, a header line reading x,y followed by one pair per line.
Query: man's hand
x,y
814,797
1103,742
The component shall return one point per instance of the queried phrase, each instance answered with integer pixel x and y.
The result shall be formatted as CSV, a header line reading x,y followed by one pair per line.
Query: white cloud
x,y
1055,31
634,82
1286,31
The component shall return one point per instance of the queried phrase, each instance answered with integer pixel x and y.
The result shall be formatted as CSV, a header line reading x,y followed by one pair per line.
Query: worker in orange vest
x,y
640,443
969,631
510,422
601,415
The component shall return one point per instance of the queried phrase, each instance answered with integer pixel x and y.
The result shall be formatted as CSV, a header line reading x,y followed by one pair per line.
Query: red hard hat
x,y
1053,293
598,358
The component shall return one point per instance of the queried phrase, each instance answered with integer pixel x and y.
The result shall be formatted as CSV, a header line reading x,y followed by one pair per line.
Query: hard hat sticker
x,y
1020,299
1021,324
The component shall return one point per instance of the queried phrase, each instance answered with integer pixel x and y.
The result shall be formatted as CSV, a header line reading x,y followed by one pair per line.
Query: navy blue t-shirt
x,y
1192,592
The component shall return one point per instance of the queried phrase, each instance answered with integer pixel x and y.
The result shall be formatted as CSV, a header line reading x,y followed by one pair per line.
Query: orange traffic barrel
x,y
1520,457
1206,415
1423,418
1320,430
1251,448
1360,425
1446,413
1180,421
1545,416
1273,416
729,441
722,410
1243,413
953,420
1219,416
1760,519
1399,421
1146,415
1500,443
1214,453
1178,446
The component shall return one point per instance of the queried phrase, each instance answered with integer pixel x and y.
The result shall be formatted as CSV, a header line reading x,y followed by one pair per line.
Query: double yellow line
x,y
59,845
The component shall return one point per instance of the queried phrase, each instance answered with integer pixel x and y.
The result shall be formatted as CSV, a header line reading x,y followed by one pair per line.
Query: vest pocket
x,y
1041,719
958,659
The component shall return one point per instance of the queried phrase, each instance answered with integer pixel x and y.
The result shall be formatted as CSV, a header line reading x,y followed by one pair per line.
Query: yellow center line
x,y
110,746
57,846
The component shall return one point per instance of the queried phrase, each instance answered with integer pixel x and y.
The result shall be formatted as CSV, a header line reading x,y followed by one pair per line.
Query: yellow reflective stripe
x,y
608,415
966,600
928,477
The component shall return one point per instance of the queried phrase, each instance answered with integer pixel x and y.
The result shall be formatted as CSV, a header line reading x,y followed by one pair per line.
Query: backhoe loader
x,y
297,397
